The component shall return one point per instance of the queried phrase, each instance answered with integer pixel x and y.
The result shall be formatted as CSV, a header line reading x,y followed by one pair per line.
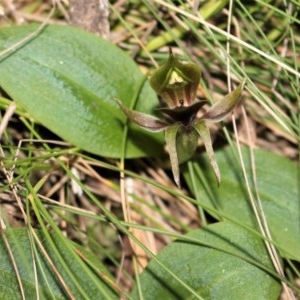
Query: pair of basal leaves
x,y
176,82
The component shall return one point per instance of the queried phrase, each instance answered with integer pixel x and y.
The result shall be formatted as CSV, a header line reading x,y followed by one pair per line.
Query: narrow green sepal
x,y
204,133
170,136
143,120
223,107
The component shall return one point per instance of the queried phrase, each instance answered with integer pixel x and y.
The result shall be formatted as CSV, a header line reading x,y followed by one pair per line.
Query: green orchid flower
x,y
176,82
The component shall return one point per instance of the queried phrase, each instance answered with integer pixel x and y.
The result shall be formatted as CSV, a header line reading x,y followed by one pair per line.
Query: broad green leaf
x,y
214,264
69,80
277,182
79,279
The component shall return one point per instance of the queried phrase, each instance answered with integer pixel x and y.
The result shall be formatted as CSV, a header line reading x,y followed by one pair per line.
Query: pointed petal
x,y
170,136
204,133
220,109
146,121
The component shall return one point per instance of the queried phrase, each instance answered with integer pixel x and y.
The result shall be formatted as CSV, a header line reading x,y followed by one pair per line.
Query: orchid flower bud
x,y
176,82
